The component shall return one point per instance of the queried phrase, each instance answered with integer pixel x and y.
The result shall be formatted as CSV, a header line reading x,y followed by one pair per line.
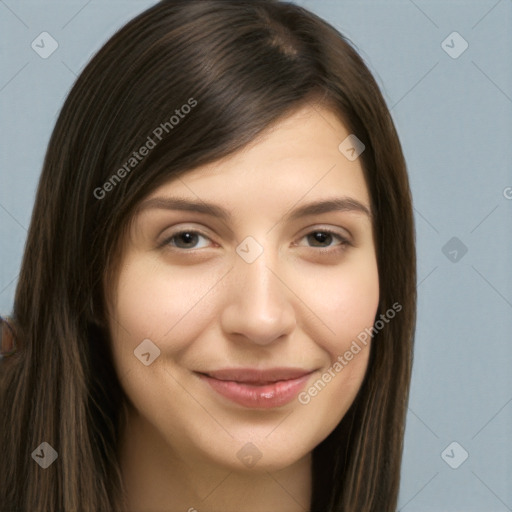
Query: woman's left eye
x,y
320,237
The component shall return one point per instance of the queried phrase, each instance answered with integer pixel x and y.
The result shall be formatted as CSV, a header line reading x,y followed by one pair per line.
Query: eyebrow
x,y
343,204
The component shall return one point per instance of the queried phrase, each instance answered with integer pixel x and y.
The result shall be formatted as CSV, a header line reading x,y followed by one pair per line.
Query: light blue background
x,y
454,118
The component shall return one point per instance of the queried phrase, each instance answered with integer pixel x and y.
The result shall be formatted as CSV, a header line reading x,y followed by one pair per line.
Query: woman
x,y
268,366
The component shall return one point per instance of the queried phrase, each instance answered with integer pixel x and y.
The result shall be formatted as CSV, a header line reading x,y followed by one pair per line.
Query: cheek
x,y
356,305
153,300
345,300
348,302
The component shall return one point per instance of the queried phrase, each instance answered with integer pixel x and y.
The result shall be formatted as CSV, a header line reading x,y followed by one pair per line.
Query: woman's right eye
x,y
185,239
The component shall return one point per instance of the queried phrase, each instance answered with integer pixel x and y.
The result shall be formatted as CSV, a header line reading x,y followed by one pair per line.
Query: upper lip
x,y
257,376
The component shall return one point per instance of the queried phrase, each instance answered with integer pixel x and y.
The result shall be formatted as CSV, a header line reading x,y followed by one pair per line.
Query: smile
x,y
262,389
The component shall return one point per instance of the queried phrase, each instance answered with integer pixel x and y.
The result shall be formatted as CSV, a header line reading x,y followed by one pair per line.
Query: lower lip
x,y
259,397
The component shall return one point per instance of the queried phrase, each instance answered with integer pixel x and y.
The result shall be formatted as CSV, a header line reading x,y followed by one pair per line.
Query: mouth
x,y
255,388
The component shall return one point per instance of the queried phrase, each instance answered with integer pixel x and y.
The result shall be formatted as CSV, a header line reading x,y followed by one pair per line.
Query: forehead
x,y
297,156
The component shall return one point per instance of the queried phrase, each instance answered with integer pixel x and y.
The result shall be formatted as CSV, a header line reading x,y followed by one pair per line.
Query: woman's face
x,y
233,325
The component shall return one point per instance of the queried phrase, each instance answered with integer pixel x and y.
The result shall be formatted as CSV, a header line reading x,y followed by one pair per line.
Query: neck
x,y
160,477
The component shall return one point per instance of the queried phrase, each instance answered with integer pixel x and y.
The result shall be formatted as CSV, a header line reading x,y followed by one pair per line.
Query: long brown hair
x,y
245,64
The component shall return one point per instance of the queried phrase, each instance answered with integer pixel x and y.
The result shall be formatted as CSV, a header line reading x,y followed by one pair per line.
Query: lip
x,y
255,388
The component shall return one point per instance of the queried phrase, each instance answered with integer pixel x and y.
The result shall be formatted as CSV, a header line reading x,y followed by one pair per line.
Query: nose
x,y
258,307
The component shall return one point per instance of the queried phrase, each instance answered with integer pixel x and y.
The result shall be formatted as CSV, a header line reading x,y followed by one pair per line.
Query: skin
x,y
206,308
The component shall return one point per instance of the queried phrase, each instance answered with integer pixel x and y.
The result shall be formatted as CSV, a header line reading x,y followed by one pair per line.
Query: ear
x,y
7,337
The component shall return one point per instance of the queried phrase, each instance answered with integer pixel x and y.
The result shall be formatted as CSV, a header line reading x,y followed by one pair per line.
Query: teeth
x,y
252,383
260,382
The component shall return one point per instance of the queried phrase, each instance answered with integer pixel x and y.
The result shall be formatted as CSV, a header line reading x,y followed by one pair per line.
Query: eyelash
x,y
322,250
